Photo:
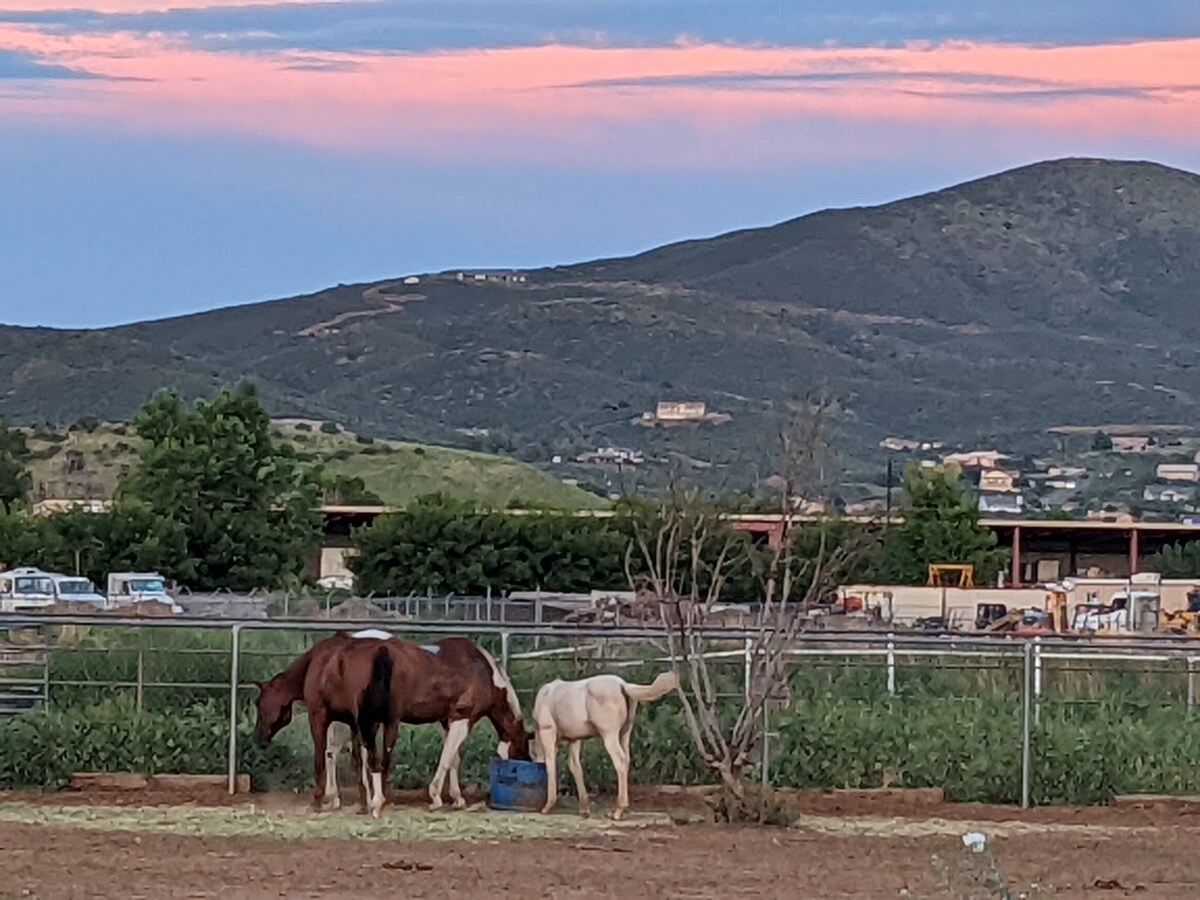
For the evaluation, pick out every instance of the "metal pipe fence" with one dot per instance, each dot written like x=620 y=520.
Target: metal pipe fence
x=1034 y=664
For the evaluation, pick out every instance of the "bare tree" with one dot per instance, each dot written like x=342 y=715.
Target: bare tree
x=683 y=556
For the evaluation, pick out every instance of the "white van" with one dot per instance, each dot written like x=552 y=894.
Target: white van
x=26 y=588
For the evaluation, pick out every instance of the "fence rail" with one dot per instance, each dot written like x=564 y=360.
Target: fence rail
x=26 y=681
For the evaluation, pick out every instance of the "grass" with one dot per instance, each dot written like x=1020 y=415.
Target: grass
x=298 y=825
x=79 y=464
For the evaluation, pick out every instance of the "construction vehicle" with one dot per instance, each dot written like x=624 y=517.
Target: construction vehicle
x=1129 y=611
x=1185 y=621
x=965 y=575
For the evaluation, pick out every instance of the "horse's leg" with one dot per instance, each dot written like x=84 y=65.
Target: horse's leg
x=335 y=742
x=376 y=766
x=358 y=764
x=548 y=738
x=456 y=734
x=455 y=788
x=620 y=761
x=576 y=764
x=320 y=731
x=385 y=776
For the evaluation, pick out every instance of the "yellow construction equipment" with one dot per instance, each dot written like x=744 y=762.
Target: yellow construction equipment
x=965 y=573
x=1185 y=621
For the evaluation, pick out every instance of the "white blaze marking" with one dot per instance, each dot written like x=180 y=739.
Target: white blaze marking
x=372 y=633
x=377 y=788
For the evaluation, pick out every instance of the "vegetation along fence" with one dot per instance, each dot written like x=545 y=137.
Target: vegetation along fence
x=987 y=719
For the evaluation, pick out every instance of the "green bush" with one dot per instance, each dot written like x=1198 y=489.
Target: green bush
x=1101 y=732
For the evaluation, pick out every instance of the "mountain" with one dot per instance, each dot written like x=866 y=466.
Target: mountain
x=1060 y=293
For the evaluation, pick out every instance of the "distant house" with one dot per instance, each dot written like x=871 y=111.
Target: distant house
x=680 y=412
x=50 y=506
x=1066 y=471
x=412 y=279
x=974 y=459
x=1132 y=443
x=1168 y=493
x=613 y=456
x=997 y=481
x=1189 y=472
x=1001 y=504
x=1110 y=514
x=899 y=445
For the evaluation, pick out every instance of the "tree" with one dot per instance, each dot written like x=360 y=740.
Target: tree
x=682 y=558
x=448 y=546
x=350 y=490
x=941 y=525
x=1179 y=560
x=15 y=481
x=1101 y=442
x=240 y=510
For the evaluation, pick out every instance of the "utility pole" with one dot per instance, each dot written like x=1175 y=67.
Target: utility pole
x=888 y=515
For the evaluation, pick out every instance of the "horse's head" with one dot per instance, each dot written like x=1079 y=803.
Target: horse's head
x=517 y=744
x=274 y=711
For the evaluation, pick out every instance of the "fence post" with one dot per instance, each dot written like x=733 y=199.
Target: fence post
x=1037 y=681
x=749 y=673
x=234 y=660
x=504 y=651
x=1027 y=727
x=141 y=679
x=766 y=745
x=891 y=664
x=489 y=604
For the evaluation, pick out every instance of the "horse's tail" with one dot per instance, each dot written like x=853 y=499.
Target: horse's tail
x=376 y=705
x=648 y=693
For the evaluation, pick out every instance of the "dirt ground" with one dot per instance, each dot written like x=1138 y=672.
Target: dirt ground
x=146 y=844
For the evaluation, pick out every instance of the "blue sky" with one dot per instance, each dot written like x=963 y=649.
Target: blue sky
x=159 y=160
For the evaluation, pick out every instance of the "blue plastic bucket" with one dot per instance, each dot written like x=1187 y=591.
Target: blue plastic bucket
x=518 y=785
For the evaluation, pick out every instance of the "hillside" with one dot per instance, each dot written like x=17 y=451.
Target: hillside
x=81 y=463
x=1061 y=293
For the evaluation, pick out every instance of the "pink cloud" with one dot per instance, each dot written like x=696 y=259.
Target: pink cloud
x=133 y=7
x=688 y=104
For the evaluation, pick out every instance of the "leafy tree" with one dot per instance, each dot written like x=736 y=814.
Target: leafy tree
x=1102 y=442
x=27 y=540
x=14 y=476
x=245 y=507
x=350 y=490
x=1180 y=560
x=448 y=546
x=941 y=525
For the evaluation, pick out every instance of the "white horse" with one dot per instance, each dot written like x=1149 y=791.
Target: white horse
x=602 y=706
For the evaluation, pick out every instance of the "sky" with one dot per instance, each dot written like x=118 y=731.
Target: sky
x=159 y=157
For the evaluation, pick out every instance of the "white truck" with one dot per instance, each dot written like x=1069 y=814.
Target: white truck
x=26 y=588
x=125 y=588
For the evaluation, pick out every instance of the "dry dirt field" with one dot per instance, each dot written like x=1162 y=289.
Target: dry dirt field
x=153 y=845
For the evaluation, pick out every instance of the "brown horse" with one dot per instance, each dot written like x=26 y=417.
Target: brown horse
x=318 y=680
x=369 y=683
x=453 y=683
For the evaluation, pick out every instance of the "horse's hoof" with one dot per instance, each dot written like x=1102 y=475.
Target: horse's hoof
x=547 y=809
x=460 y=803
x=335 y=803
x=585 y=813
x=618 y=815
x=435 y=807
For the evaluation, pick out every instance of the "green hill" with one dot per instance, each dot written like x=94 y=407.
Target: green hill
x=1062 y=293
x=79 y=463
